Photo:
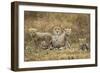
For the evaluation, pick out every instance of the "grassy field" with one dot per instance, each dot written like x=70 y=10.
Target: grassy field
x=45 y=22
x=33 y=54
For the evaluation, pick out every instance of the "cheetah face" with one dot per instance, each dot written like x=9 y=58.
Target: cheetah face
x=32 y=31
x=82 y=40
x=68 y=31
x=57 y=31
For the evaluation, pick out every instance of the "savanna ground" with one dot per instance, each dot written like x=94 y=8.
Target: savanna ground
x=44 y=22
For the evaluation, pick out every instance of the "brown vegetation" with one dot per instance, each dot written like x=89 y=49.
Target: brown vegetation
x=45 y=22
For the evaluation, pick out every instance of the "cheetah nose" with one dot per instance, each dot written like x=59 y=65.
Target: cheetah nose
x=57 y=31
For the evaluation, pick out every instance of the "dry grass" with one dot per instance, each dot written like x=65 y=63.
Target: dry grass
x=32 y=54
x=45 y=22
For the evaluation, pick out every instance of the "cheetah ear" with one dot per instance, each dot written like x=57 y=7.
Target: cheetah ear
x=32 y=30
x=63 y=30
x=82 y=39
x=68 y=29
